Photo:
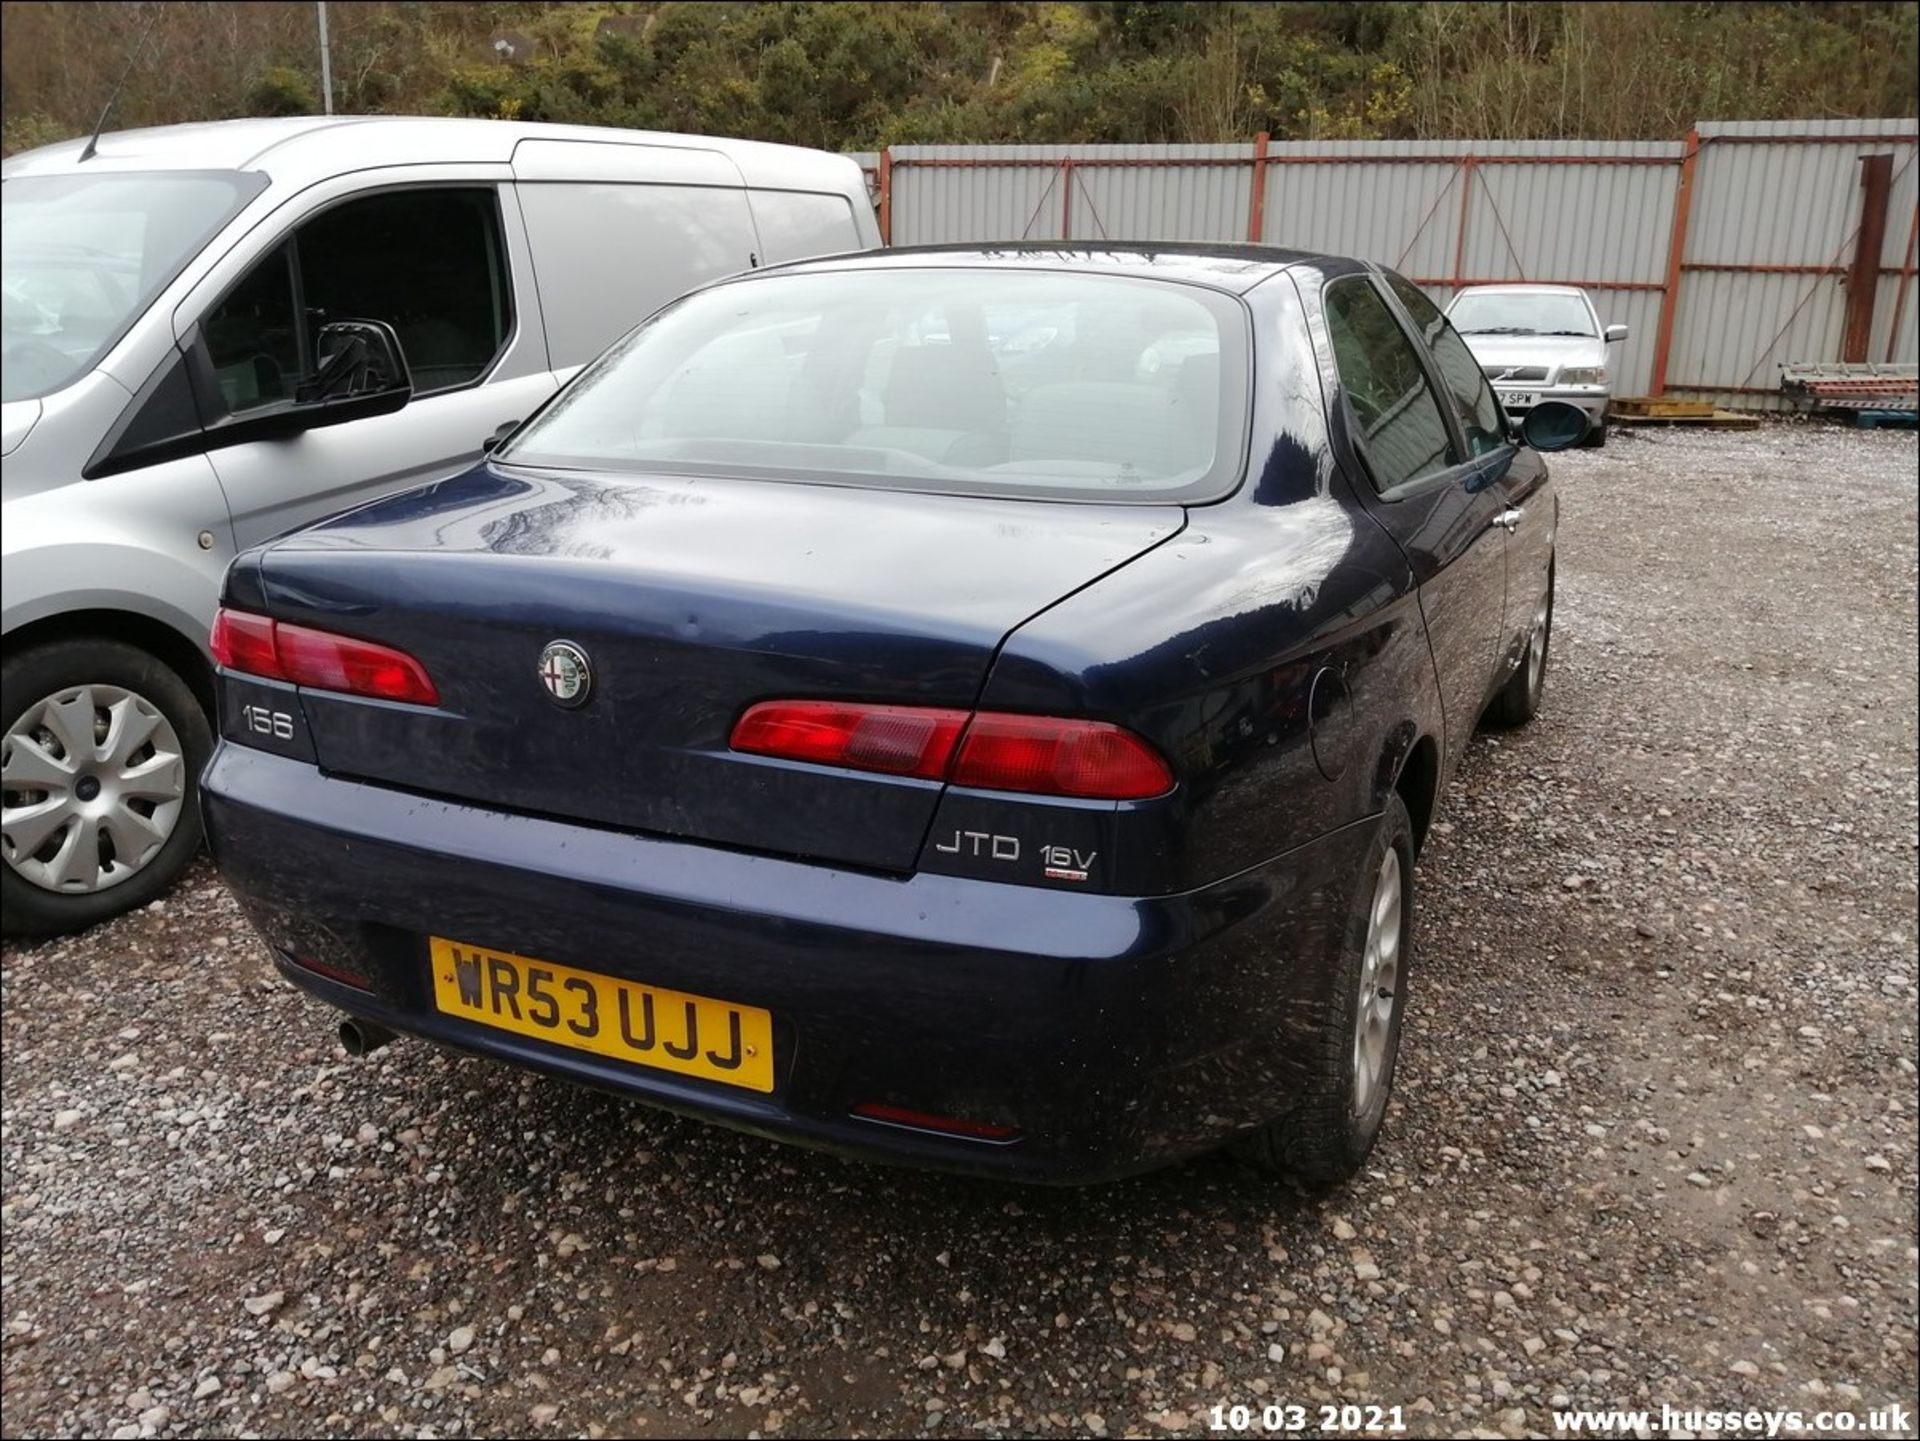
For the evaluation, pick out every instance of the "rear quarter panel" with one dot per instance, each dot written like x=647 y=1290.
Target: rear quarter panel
x=1274 y=650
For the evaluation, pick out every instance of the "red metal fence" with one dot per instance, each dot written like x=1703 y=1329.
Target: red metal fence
x=1703 y=295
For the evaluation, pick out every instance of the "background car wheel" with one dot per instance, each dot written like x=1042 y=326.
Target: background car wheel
x=1354 y=1039
x=101 y=751
x=1519 y=699
x=1595 y=438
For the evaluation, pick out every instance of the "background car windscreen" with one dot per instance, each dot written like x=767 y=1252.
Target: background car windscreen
x=968 y=381
x=83 y=255
x=1518 y=313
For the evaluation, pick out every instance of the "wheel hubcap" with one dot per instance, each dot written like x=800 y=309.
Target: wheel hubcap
x=92 y=779
x=1379 y=982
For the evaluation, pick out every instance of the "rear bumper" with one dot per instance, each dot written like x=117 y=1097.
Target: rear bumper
x=1116 y=1034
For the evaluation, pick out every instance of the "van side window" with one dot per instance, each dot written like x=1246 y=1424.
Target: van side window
x=428 y=262
x=606 y=255
x=1386 y=388
x=254 y=336
x=794 y=225
x=1459 y=371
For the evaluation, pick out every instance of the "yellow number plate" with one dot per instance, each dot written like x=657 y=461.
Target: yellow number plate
x=668 y=1030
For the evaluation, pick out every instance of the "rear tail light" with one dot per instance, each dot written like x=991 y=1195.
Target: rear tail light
x=900 y=740
x=944 y=1125
x=988 y=750
x=255 y=645
x=244 y=642
x=1044 y=756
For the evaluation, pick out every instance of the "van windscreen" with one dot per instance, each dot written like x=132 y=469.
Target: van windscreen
x=81 y=256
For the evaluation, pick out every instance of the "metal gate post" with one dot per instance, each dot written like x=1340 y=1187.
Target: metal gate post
x=886 y=195
x=1863 y=280
x=1066 y=197
x=1460 y=236
x=1257 y=211
x=1676 y=256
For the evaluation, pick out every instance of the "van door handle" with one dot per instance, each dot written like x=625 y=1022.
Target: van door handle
x=1509 y=519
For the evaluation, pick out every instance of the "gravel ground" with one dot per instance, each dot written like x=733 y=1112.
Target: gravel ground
x=1654 y=1138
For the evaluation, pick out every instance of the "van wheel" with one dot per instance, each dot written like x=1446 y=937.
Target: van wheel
x=102 y=749
x=1352 y=1035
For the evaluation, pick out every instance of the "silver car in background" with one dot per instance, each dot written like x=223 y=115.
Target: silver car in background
x=1540 y=343
x=215 y=333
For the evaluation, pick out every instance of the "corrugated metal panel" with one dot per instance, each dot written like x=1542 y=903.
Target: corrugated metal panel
x=1793 y=201
x=1903 y=230
x=933 y=204
x=1801 y=129
x=1191 y=202
x=1738 y=330
x=1400 y=215
x=1906 y=339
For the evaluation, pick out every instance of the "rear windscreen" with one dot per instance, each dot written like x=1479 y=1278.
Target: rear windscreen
x=986 y=381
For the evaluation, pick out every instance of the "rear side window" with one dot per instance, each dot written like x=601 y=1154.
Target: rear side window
x=608 y=255
x=1399 y=417
x=794 y=225
x=427 y=262
x=1465 y=381
x=1030 y=383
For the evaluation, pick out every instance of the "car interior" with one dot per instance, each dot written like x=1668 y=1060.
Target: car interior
x=1102 y=391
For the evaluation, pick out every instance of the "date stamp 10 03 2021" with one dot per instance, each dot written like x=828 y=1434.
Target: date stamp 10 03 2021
x=1281 y=1419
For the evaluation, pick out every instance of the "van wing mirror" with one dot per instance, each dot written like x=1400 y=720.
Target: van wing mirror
x=184 y=411
x=359 y=372
x=1616 y=332
x=355 y=359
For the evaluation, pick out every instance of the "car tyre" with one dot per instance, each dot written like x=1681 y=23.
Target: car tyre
x=1352 y=1042
x=1596 y=437
x=114 y=672
x=1519 y=699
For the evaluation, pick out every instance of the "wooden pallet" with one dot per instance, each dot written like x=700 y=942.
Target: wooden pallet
x=1652 y=407
x=1706 y=415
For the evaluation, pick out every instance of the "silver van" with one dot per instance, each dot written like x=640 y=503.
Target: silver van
x=214 y=333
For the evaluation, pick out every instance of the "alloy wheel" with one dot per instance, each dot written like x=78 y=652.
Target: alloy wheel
x=1537 y=648
x=92 y=781
x=1379 y=981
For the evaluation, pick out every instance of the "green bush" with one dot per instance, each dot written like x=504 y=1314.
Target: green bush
x=30 y=132
x=283 y=90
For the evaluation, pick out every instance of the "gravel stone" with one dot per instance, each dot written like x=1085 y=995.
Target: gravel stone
x=1725 y=763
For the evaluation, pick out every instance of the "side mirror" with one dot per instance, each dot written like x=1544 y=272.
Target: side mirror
x=355 y=359
x=1554 y=425
x=1616 y=332
x=492 y=442
x=361 y=373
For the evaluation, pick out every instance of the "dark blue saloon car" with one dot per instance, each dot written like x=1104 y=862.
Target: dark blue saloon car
x=974 y=707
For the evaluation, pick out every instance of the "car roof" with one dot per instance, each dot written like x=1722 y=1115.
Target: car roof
x=299 y=150
x=1233 y=268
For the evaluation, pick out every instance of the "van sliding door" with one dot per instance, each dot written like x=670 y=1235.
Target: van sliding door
x=618 y=230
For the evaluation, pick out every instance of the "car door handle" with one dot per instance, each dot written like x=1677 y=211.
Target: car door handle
x=1509 y=519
